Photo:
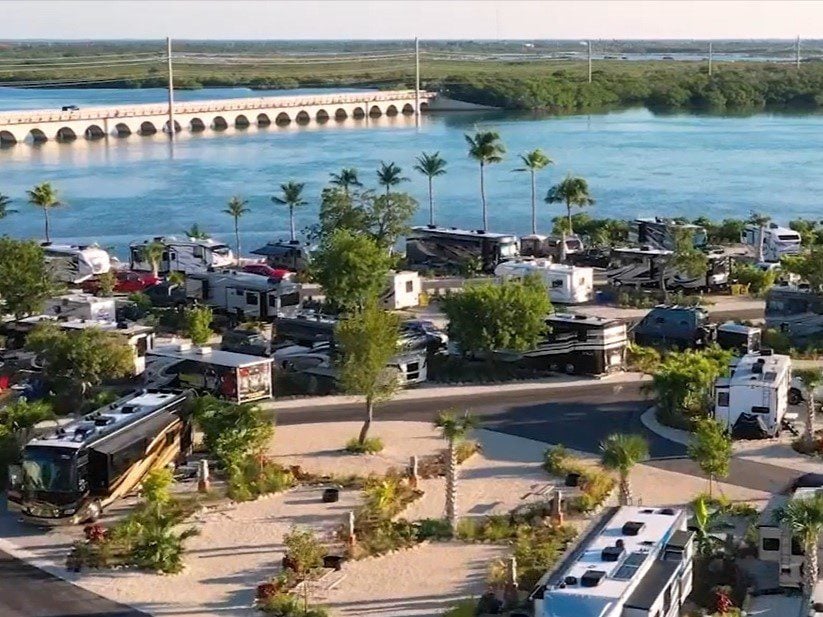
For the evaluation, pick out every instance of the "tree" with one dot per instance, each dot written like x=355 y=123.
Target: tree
x=44 y=196
x=368 y=340
x=198 y=324
x=683 y=381
x=808 y=266
x=533 y=162
x=711 y=449
x=506 y=316
x=453 y=429
x=303 y=551
x=810 y=231
x=760 y=220
x=431 y=166
x=389 y=175
x=685 y=259
x=620 y=452
x=572 y=191
x=237 y=208
x=195 y=233
x=707 y=521
x=487 y=149
x=345 y=179
x=5 y=202
x=352 y=269
x=24 y=277
x=292 y=198
x=339 y=209
x=387 y=216
x=107 y=281
x=153 y=253
x=804 y=517
x=233 y=432
x=21 y=415
x=811 y=379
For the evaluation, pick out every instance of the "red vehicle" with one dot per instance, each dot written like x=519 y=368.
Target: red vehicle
x=278 y=274
x=127 y=282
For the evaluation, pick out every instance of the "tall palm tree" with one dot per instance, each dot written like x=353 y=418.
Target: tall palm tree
x=533 y=162
x=293 y=198
x=431 y=166
x=153 y=253
x=760 y=220
x=44 y=196
x=196 y=233
x=804 y=517
x=620 y=452
x=572 y=191
x=5 y=202
x=811 y=379
x=485 y=148
x=345 y=179
x=237 y=208
x=390 y=175
x=453 y=429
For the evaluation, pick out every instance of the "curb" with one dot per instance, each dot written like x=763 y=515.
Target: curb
x=649 y=420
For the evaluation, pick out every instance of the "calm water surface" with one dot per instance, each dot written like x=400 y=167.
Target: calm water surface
x=637 y=164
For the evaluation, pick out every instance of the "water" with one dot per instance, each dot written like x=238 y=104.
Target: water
x=637 y=164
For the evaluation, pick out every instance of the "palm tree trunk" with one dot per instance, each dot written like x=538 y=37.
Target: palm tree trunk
x=451 y=486
x=237 y=239
x=569 y=217
x=483 y=198
x=810 y=569
x=364 y=432
x=761 y=233
x=534 y=208
x=431 y=203
x=291 y=221
x=663 y=287
x=625 y=495
x=809 y=436
x=711 y=482
x=46 y=215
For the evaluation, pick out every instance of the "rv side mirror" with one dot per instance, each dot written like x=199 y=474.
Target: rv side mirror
x=15 y=477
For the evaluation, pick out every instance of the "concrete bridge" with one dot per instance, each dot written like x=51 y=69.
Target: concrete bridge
x=124 y=120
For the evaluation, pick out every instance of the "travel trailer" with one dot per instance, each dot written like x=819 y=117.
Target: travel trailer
x=659 y=233
x=777 y=241
x=75 y=264
x=685 y=327
x=80 y=306
x=796 y=313
x=285 y=254
x=551 y=247
x=403 y=291
x=636 y=562
x=640 y=268
x=70 y=475
x=186 y=255
x=454 y=249
x=753 y=402
x=565 y=284
x=244 y=295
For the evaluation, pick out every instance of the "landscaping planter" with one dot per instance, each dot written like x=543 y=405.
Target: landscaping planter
x=331 y=495
x=335 y=562
x=573 y=478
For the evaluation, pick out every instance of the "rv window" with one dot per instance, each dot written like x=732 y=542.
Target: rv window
x=165 y=256
x=252 y=298
x=292 y=299
x=239 y=292
x=771 y=544
x=557 y=283
x=764 y=410
x=126 y=457
x=198 y=251
x=797 y=547
x=172 y=255
x=409 y=287
x=722 y=399
x=141 y=346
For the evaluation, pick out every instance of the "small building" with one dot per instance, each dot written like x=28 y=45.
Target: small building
x=635 y=562
x=403 y=290
x=565 y=284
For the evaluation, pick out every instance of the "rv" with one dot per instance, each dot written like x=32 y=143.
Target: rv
x=69 y=476
x=753 y=402
x=244 y=295
x=189 y=255
x=640 y=268
x=659 y=233
x=75 y=264
x=565 y=284
x=454 y=249
x=684 y=327
x=287 y=255
x=777 y=241
x=797 y=313
x=403 y=291
x=80 y=306
x=551 y=246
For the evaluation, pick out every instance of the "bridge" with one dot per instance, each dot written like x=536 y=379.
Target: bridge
x=147 y=119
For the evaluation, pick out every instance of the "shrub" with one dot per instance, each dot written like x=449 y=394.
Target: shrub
x=304 y=551
x=774 y=339
x=595 y=489
x=433 y=529
x=758 y=280
x=371 y=445
x=537 y=550
x=253 y=477
x=555 y=460
x=198 y=324
x=466 y=449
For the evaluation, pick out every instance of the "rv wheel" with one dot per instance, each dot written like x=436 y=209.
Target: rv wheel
x=93 y=510
x=795 y=397
x=570 y=369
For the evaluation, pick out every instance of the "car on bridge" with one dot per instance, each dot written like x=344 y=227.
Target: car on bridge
x=70 y=108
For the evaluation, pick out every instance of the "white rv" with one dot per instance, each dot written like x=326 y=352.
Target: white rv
x=777 y=241
x=75 y=264
x=566 y=284
x=80 y=306
x=187 y=255
x=245 y=295
x=753 y=402
x=403 y=291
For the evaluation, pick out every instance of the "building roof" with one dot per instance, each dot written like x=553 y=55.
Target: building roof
x=422 y=230
x=209 y=355
x=246 y=280
x=545 y=265
x=174 y=240
x=650 y=586
x=125 y=328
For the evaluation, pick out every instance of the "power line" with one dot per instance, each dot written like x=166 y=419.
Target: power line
x=78 y=67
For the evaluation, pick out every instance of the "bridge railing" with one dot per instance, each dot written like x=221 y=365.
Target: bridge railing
x=195 y=107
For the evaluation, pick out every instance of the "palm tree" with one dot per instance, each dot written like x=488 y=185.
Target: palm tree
x=804 y=517
x=153 y=253
x=707 y=523
x=760 y=220
x=431 y=165
x=485 y=148
x=293 y=198
x=5 y=202
x=44 y=196
x=621 y=452
x=389 y=175
x=811 y=379
x=195 y=233
x=236 y=209
x=345 y=179
x=533 y=162
x=454 y=429
x=572 y=191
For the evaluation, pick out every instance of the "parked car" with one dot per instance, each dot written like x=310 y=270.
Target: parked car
x=278 y=274
x=70 y=108
x=166 y=294
x=797 y=393
x=126 y=282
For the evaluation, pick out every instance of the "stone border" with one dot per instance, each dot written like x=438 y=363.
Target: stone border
x=649 y=419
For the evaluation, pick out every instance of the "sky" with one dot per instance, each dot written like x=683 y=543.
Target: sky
x=397 y=19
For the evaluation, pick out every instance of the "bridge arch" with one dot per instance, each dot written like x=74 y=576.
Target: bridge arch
x=94 y=132
x=219 y=123
x=358 y=113
x=147 y=128
x=408 y=109
x=391 y=110
x=7 y=138
x=38 y=136
x=282 y=119
x=241 y=122
x=424 y=106
x=121 y=129
x=340 y=114
x=322 y=116
x=302 y=117
x=65 y=133
x=375 y=111
x=196 y=125
x=177 y=127
x=263 y=120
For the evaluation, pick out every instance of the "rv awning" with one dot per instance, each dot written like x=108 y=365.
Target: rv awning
x=274 y=250
x=146 y=429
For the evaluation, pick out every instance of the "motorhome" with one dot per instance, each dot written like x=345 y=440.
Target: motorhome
x=80 y=306
x=70 y=475
x=752 y=403
x=186 y=255
x=640 y=268
x=565 y=284
x=556 y=248
x=777 y=241
x=244 y=295
x=797 y=313
x=637 y=561
x=290 y=255
x=452 y=249
x=661 y=233
x=75 y=264
x=687 y=327
x=402 y=290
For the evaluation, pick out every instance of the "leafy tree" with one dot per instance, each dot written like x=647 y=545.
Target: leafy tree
x=643 y=359
x=804 y=517
x=351 y=268
x=232 y=431
x=601 y=232
x=20 y=416
x=510 y=315
x=810 y=231
x=572 y=191
x=728 y=231
x=339 y=209
x=453 y=429
x=684 y=259
x=811 y=379
x=388 y=216
x=431 y=166
x=368 y=340
x=292 y=198
x=346 y=179
x=5 y=202
x=620 y=452
x=711 y=449
x=757 y=280
x=808 y=266
x=196 y=233
x=487 y=149
x=153 y=253
x=198 y=324
x=236 y=209
x=24 y=277
x=533 y=162
x=389 y=175
x=44 y=196
x=707 y=522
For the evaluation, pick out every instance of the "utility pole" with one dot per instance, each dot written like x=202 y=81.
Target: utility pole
x=589 y=45
x=171 y=88
x=417 y=81
x=710 y=58
x=797 y=53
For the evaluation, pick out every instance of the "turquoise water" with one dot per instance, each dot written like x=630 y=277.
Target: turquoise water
x=637 y=164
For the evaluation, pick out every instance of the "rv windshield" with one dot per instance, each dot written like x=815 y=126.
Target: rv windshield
x=48 y=469
x=220 y=249
x=508 y=249
x=699 y=237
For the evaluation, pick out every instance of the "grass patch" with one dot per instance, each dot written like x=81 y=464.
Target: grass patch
x=254 y=477
x=463 y=608
x=433 y=529
x=371 y=445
